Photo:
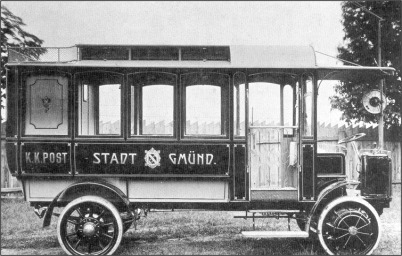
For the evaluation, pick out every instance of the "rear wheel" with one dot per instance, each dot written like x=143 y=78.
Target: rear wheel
x=349 y=226
x=89 y=225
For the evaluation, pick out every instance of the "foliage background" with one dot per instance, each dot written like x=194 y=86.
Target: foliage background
x=361 y=44
x=13 y=35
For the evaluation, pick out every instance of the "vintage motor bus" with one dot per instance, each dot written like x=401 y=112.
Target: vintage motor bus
x=110 y=131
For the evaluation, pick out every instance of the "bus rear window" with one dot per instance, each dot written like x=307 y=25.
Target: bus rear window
x=46 y=105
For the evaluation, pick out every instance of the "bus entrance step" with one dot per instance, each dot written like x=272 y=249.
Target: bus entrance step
x=274 y=211
x=275 y=234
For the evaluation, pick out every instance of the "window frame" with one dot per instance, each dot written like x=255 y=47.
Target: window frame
x=138 y=108
x=225 y=108
x=77 y=79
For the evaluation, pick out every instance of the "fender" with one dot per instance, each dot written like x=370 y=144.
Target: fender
x=87 y=187
x=325 y=192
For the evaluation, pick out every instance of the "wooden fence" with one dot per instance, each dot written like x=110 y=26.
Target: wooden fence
x=9 y=184
x=328 y=136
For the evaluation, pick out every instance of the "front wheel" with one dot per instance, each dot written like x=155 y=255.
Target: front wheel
x=349 y=225
x=89 y=225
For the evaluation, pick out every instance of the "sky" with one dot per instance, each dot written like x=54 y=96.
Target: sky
x=68 y=23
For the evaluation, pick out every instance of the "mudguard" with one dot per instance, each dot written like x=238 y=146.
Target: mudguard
x=325 y=192
x=86 y=187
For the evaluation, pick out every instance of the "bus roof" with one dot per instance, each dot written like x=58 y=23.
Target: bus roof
x=240 y=56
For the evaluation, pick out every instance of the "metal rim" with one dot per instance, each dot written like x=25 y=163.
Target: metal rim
x=349 y=226
x=89 y=225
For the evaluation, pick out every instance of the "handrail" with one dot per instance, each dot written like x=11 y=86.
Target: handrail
x=277 y=127
x=38 y=47
x=11 y=190
x=42 y=54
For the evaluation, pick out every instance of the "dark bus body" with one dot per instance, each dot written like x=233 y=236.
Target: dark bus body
x=124 y=129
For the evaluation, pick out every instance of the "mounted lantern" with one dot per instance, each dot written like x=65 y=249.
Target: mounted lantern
x=373 y=100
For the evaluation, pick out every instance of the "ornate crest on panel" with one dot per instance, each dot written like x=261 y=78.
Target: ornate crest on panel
x=152 y=158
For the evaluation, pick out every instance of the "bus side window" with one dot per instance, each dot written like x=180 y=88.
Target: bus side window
x=288 y=108
x=239 y=104
x=152 y=103
x=46 y=105
x=99 y=103
x=308 y=106
x=264 y=104
x=109 y=109
x=205 y=103
x=86 y=112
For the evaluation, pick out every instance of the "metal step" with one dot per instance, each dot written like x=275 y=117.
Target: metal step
x=275 y=211
x=285 y=213
x=275 y=234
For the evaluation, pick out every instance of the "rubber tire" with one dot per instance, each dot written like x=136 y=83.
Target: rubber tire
x=98 y=200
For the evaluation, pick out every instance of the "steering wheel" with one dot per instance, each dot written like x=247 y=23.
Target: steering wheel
x=352 y=138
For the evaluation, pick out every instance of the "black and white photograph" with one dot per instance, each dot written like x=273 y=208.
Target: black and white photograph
x=201 y=127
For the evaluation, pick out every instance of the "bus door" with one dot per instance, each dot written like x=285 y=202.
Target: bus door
x=272 y=137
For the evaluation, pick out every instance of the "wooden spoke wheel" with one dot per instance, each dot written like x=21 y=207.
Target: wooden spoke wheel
x=89 y=225
x=349 y=225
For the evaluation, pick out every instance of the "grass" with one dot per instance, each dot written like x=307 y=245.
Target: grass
x=390 y=243
x=193 y=232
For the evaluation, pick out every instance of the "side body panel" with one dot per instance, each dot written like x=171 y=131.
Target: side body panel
x=157 y=190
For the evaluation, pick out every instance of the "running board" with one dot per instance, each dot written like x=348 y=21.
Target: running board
x=275 y=234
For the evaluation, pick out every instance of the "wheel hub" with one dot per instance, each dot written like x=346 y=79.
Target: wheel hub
x=353 y=230
x=90 y=227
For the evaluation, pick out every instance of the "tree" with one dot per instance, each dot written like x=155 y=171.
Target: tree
x=12 y=35
x=361 y=37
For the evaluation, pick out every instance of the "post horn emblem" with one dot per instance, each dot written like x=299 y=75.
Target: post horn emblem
x=152 y=158
x=46 y=101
